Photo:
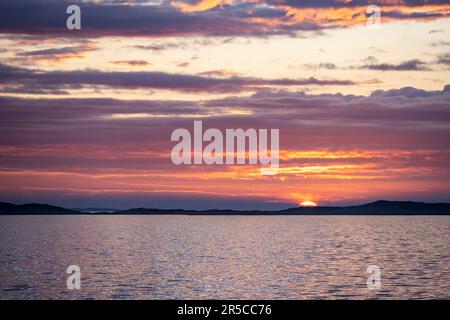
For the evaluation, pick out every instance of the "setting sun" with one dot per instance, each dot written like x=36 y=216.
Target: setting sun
x=308 y=204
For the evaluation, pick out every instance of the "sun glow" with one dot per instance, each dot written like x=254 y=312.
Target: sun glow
x=308 y=204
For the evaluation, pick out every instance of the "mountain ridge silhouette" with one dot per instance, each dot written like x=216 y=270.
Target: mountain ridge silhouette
x=379 y=207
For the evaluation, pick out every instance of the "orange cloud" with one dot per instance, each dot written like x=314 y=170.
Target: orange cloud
x=357 y=15
x=53 y=55
x=200 y=5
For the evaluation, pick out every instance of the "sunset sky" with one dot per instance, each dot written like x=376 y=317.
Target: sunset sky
x=86 y=115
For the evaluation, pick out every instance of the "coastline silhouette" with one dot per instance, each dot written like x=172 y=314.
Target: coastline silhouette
x=380 y=207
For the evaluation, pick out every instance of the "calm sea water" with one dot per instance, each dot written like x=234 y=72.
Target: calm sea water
x=171 y=257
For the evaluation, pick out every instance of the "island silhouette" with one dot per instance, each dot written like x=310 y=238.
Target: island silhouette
x=380 y=207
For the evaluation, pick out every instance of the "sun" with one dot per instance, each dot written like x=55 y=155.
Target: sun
x=308 y=204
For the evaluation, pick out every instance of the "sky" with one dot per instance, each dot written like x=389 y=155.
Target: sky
x=86 y=115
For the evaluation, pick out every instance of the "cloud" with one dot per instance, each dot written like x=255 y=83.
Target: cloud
x=323 y=65
x=132 y=63
x=206 y=17
x=159 y=46
x=371 y=81
x=334 y=146
x=407 y=108
x=357 y=3
x=410 y=65
x=101 y=19
x=19 y=79
x=183 y=64
x=162 y=46
x=197 y=5
x=220 y=73
x=396 y=107
x=440 y=44
x=444 y=59
x=56 y=54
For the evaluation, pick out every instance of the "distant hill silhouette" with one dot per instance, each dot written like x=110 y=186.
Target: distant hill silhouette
x=32 y=208
x=381 y=207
